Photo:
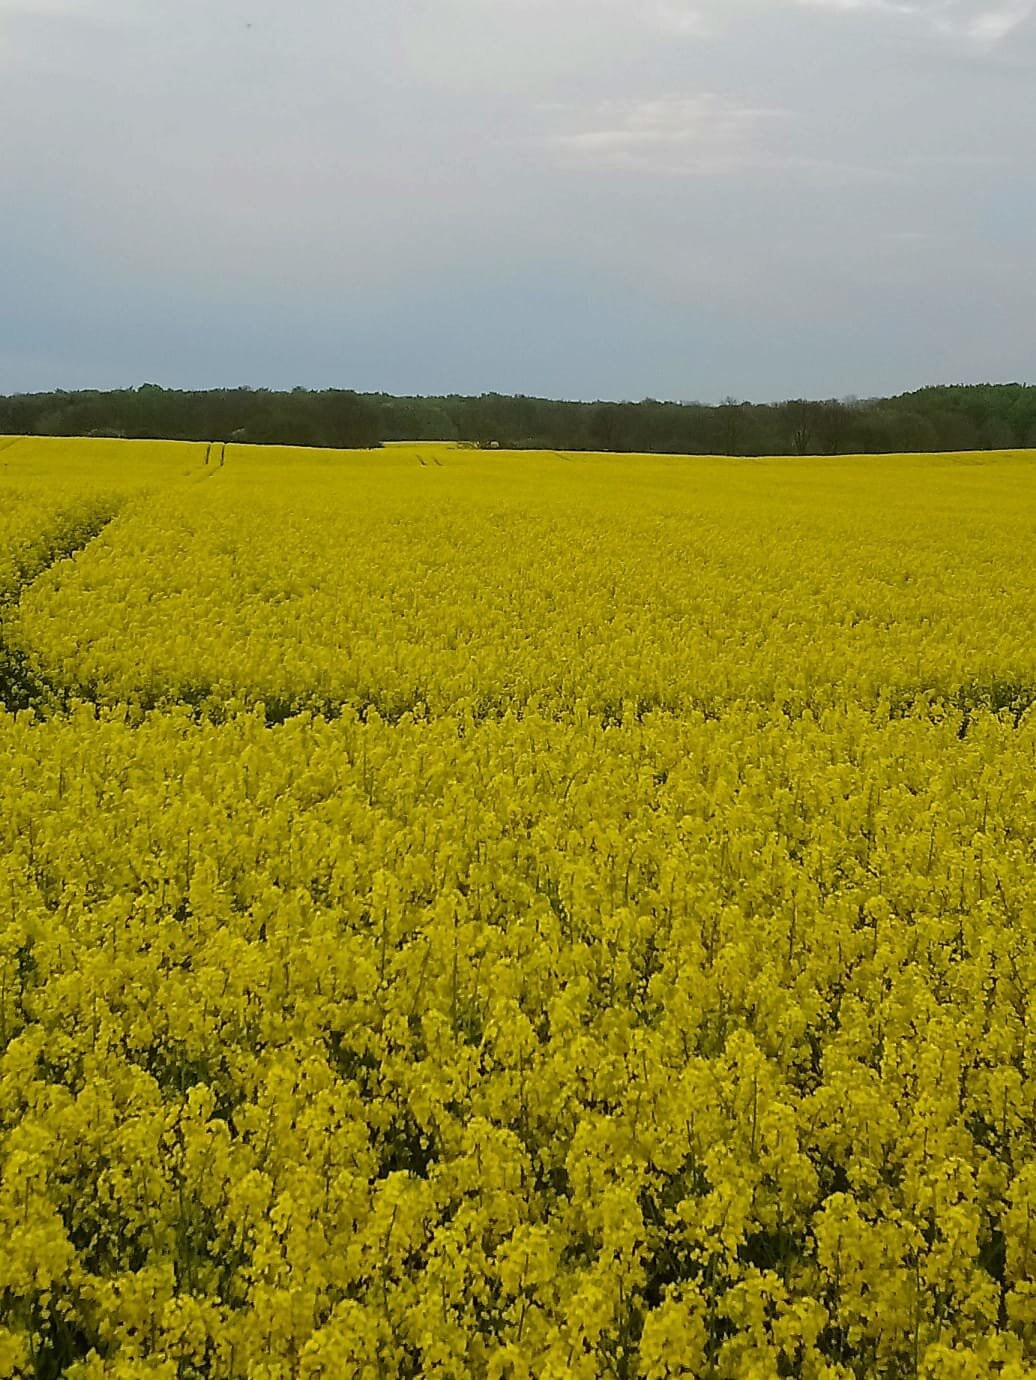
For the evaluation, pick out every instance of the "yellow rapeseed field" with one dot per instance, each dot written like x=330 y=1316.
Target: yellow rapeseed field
x=479 y=914
x=54 y=496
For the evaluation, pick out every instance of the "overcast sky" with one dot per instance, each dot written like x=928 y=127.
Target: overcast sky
x=580 y=198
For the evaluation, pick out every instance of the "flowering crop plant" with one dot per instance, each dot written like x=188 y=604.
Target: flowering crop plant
x=516 y=915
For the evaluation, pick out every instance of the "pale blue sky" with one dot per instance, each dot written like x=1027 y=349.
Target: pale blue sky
x=579 y=198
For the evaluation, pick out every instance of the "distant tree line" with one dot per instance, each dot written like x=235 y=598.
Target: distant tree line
x=333 y=417
x=964 y=417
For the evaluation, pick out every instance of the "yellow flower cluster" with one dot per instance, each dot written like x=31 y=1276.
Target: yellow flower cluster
x=641 y=984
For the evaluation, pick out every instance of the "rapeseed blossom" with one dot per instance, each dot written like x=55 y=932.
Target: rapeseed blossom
x=519 y=916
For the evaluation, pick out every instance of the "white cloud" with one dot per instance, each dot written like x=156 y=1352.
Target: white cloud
x=704 y=133
x=675 y=16
x=886 y=6
x=992 y=25
x=67 y=9
x=981 y=23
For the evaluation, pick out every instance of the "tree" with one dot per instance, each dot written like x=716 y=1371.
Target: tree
x=730 y=414
x=799 y=419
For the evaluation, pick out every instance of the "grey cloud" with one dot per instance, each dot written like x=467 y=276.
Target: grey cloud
x=578 y=197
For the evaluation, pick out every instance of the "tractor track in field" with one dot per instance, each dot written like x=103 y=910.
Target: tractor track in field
x=21 y=687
